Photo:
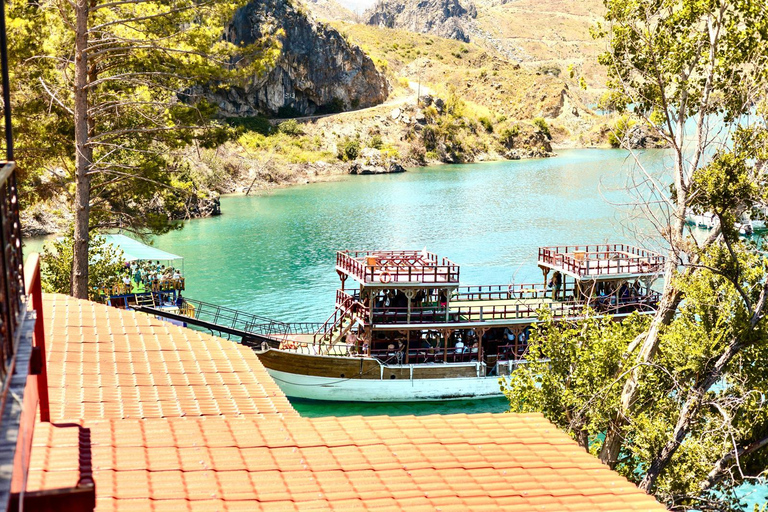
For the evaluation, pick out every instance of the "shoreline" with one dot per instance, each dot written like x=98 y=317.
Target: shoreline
x=324 y=172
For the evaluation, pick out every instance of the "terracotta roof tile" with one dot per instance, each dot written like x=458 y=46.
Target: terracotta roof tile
x=183 y=421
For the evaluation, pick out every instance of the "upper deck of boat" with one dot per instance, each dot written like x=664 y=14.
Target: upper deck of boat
x=601 y=261
x=401 y=268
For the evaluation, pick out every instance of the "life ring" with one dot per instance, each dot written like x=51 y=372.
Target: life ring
x=385 y=277
x=645 y=266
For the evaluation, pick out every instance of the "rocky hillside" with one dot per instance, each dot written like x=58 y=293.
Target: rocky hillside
x=547 y=34
x=552 y=35
x=317 y=71
x=444 y=18
x=330 y=10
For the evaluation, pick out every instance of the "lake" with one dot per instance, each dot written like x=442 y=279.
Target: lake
x=274 y=253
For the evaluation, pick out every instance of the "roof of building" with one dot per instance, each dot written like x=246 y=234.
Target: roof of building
x=172 y=419
x=134 y=250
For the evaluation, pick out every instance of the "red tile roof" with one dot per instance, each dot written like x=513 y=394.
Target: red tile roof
x=180 y=420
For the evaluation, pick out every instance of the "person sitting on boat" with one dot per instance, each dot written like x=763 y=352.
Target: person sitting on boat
x=459 y=346
x=365 y=350
x=509 y=335
x=624 y=292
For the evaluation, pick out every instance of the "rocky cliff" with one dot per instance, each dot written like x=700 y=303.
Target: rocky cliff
x=317 y=71
x=444 y=18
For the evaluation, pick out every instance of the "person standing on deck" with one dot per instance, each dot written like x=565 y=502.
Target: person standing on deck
x=556 y=283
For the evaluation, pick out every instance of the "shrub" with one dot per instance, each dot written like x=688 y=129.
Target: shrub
x=543 y=127
x=550 y=70
x=348 y=150
x=290 y=127
x=376 y=142
x=619 y=130
x=287 y=112
x=507 y=136
x=257 y=124
x=487 y=124
x=106 y=266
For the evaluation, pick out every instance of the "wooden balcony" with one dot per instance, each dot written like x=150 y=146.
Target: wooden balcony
x=397 y=268
x=601 y=261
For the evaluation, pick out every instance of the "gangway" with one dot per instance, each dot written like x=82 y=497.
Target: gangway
x=250 y=328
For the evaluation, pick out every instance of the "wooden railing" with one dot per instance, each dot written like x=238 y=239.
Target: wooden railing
x=517 y=311
x=164 y=285
x=602 y=259
x=505 y=292
x=385 y=267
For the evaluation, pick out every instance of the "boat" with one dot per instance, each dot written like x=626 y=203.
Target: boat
x=706 y=220
x=405 y=329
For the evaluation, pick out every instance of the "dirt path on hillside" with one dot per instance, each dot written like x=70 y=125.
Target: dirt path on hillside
x=394 y=102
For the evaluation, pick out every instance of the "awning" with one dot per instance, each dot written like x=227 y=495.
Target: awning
x=134 y=250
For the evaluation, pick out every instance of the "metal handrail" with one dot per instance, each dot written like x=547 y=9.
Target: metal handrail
x=235 y=319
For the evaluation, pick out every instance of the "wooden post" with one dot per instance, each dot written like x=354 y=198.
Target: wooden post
x=480 y=332
x=409 y=294
x=545 y=272
x=446 y=334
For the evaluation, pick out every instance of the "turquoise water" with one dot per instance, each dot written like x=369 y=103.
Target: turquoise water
x=274 y=254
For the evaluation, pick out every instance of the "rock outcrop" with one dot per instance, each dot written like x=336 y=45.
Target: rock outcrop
x=317 y=70
x=444 y=18
x=640 y=136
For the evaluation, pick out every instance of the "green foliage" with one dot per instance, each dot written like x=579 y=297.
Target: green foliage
x=487 y=123
x=619 y=130
x=570 y=373
x=258 y=124
x=290 y=127
x=664 y=53
x=542 y=126
x=376 y=142
x=288 y=112
x=348 y=149
x=122 y=77
x=105 y=262
x=508 y=135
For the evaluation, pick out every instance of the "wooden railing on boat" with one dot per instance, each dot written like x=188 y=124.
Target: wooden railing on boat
x=386 y=267
x=601 y=259
x=505 y=292
x=517 y=311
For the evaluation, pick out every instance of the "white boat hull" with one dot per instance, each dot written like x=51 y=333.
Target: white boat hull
x=374 y=390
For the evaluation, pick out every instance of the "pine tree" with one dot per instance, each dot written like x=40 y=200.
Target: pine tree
x=114 y=87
